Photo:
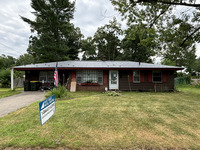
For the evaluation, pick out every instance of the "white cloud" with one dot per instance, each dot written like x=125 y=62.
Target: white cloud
x=14 y=33
x=90 y=14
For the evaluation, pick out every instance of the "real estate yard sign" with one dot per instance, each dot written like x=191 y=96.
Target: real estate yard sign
x=47 y=109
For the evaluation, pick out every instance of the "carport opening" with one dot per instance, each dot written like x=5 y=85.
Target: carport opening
x=41 y=79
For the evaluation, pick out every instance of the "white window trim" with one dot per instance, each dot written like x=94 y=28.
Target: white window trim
x=79 y=73
x=139 y=77
x=46 y=76
x=43 y=76
x=157 y=81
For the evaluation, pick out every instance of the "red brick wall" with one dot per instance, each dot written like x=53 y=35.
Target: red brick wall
x=105 y=77
x=90 y=88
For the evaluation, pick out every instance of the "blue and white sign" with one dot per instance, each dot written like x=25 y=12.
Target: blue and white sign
x=47 y=109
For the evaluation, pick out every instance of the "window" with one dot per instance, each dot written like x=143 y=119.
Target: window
x=43 y=76
x=136 y=76
x=157 y=76
x=89 y=76
x=46 y=76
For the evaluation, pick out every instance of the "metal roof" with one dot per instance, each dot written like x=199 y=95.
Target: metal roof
x=96 y=65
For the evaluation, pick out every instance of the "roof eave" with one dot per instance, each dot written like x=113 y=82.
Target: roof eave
x=96 y=68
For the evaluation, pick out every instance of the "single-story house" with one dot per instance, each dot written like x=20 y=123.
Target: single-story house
x=103 y=75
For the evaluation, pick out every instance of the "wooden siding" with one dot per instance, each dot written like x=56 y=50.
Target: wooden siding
x=147 y=85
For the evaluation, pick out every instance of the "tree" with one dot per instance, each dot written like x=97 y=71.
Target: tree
x=88 y=48
x=5 y=78
x=54 y=37
x=168 y=62
x=156 y=12
x=176 y=35
x=107 y=41
x=174 y=50
x=25 y=60
x=7 y=61
x=138 y=44
x=197 y=65
x=190 y=3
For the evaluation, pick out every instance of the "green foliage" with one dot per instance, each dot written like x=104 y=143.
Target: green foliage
x=170 y=35
x=107 y=41
x=59 y=92
x=25 y=60
x=182 y=54
x=182 y=80
x=196 y=67
x=197 y=85
x=4 y=92
x=168 y=62
x=7 y=61
x=138 y=44
x=54 y=37
x=113 y=93
x=88 y=48
x=5 y=78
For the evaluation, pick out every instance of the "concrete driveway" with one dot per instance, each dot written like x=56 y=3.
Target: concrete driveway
x=12 y=103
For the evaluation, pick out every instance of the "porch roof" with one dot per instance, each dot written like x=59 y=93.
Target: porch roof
x=74 y=65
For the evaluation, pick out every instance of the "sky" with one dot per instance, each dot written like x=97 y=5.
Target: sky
x=14 y=33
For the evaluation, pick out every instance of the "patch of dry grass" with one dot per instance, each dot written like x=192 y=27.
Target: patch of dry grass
x=130 y=121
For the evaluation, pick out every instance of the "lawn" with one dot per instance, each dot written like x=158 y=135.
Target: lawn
x=97 y=121
x=4 y=92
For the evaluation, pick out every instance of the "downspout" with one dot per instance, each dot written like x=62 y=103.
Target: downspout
x=12 y=79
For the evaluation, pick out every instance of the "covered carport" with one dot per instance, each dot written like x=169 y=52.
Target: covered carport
x=42 y=74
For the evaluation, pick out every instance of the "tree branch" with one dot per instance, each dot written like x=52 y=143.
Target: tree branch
x=167 y=2
x=189 y=36
x=162 y=12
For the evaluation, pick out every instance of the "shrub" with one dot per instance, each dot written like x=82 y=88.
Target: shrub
x=59 y=92
x=197 y=85
x=5 y=78
x=112 y=93
x=182 y=80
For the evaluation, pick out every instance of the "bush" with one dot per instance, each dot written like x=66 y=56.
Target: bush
x=197 y=85
x=182 y=80
x=59 y=92
x=112 y=93
x=5 y=78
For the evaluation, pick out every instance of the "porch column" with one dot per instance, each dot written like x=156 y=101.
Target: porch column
x=12 y=79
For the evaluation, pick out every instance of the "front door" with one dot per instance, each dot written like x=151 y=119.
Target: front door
x=113 y=80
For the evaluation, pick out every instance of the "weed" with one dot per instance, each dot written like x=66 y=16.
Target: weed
x=59 y=92
x=113 y=93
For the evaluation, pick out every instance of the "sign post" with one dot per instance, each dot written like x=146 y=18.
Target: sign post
x=47 y=109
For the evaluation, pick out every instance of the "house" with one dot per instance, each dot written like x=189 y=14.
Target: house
x=103 y=75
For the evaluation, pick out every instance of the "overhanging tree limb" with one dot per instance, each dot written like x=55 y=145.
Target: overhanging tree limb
x=189 y=36
x=166 y=2
x=162 y=12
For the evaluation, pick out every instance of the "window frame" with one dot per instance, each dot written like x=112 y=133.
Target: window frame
x=82 y=74
x=138 y=75
x=47 y=76
x=157 y=71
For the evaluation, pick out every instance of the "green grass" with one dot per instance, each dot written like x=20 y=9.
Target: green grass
x=90 y=120
x=4 y=92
